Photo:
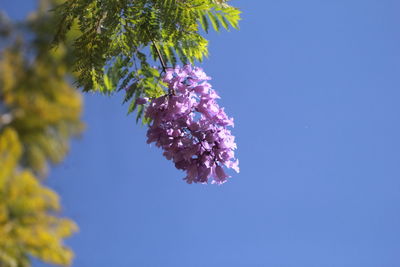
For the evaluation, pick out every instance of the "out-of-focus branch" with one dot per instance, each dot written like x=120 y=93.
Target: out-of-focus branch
x=5 y=119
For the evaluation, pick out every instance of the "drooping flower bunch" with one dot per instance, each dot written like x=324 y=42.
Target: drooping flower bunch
x=191 y=127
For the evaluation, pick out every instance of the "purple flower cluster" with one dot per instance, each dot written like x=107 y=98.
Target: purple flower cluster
x=191 y=128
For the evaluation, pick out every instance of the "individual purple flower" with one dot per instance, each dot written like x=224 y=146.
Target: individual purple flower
x=141 y=100
x=191 y=128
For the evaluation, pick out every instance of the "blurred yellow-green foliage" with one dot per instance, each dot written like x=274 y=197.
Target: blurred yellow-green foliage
x=34 y=91
x=27 y=224
x=40 y=111
x=44 y=108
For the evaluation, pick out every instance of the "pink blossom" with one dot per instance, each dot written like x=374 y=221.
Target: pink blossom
x=191 y=127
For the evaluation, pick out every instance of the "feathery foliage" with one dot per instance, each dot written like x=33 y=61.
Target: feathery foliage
x=120 y=39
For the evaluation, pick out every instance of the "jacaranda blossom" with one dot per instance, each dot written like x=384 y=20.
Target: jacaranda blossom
x=192 y=128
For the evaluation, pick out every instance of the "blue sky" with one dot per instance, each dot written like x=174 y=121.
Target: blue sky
x=314 y=88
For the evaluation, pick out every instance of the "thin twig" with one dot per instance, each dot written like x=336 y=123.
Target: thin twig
x=171 y=92
x=159 y=56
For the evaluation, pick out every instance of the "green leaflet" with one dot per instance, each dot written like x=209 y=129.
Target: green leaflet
x=118 y=36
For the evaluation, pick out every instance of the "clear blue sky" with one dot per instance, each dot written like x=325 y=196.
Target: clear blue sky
x=314 y=88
